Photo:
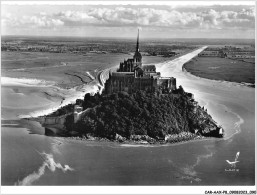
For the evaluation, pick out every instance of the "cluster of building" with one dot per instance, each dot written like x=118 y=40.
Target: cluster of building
x=132 y=76
x=228 y=52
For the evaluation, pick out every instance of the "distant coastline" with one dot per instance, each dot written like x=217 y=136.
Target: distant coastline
x=209 y=41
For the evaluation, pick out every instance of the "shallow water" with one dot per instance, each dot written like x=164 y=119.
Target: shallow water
x=31 y=158
x=94 y=163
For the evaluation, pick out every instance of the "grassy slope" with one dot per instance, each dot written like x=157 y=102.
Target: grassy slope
x=222 y=69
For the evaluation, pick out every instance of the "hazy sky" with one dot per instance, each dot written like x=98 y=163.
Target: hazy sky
x=166 y=19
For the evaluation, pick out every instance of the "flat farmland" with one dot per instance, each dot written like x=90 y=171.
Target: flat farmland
x=28 y=60
x=222 y=69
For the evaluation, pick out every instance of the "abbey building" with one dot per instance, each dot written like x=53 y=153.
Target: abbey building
x=132 y=76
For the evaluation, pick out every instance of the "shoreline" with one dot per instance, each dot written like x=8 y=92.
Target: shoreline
x=181 y=138
x=131 y=143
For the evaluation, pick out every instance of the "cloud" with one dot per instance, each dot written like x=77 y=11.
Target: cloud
x=122 y=16
x=150 y=17
x=41 y=21
x=38 y=21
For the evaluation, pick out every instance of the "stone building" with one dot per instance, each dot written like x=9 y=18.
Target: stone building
x=132 y=76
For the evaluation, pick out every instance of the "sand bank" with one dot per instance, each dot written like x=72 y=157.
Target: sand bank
x=69 y=97
x=8 y=81
x=24 y=98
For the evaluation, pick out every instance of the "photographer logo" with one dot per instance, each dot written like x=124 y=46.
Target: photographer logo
x=233 y=163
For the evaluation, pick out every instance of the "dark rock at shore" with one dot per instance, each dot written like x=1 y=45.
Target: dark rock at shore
x=119 y=138
x=142 y=138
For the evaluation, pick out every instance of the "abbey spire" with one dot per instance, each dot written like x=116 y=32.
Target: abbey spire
x=137 y=49
x=137 y=56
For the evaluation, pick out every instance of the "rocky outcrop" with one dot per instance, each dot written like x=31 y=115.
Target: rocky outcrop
x=119 y=138
x=142 y=138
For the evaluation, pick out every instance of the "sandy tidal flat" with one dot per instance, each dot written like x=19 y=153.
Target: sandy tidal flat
x=32 y=97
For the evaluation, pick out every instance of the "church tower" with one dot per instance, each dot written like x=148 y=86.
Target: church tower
x=137 y=56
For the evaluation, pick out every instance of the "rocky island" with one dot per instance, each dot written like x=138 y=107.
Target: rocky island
x=136 y=105
x=139 y=117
